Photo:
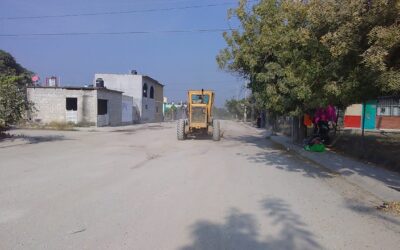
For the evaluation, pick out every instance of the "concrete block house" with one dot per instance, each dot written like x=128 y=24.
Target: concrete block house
x=147 y=94
x=95 y=106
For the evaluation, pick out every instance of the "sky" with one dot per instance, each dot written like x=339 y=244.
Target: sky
x=180 y=61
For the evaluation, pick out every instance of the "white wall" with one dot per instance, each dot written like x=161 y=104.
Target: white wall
x=143 y=108
x=355 y=109
x=127 y=109
x=130 y=84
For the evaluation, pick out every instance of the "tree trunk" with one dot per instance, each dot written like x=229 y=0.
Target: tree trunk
x=363 y=130
x=336 y=123
x=295 y=129
x=363 y=119
x=305 y=129
x=302 y=130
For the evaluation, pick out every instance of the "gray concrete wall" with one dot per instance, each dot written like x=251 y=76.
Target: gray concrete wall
x=153 y=112
x=127 y=109
x=50 y=104
x=136 y=110
x=114 y=106
x=130 y=85
x=159 y=99
x=145 y=109
x=148 y=110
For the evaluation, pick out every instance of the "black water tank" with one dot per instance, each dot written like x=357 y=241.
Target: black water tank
x=99 y=83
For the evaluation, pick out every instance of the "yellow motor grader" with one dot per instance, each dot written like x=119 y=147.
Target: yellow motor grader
x=199 y=116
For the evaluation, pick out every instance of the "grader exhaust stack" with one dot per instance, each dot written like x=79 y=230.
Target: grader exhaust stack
x=199 y=119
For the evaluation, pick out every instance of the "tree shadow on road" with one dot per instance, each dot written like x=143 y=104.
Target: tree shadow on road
x=358 y=207
x=294 y=233
x=19 y=140
x=241 y=231
x=277 y=156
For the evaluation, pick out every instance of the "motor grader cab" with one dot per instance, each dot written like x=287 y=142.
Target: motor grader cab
x=199 y=116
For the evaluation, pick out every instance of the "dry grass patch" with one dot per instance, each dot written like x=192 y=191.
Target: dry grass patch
x=391 y=207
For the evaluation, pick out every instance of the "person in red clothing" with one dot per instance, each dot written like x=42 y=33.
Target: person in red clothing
x=307 y=120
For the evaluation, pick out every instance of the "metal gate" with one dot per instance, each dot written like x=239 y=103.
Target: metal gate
x=370 y=115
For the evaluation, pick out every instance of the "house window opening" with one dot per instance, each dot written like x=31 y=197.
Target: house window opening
x=151 y=92
x=145 y=90
x=71 y=104
x=102 y=106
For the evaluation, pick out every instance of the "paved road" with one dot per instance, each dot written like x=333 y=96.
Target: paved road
x=137 y=187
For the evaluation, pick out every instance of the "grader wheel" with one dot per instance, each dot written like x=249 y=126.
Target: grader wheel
x=180 y=130
x=216 y=134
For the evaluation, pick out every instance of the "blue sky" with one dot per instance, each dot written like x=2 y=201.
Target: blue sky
x=181 y=61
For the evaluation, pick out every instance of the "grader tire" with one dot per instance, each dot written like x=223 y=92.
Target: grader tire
x=180 y=131
x=216 y=134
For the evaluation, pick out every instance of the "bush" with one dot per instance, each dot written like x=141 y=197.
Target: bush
x=13 y=81
x=12 y=101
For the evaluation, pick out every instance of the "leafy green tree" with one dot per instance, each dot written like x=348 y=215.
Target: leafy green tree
x=13 y=81
x=363 y=38
x=300 y=55
x=237 y=107
x=273 y=50
x=221 y=113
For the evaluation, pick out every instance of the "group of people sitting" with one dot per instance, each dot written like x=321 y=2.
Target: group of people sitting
x=321 y=121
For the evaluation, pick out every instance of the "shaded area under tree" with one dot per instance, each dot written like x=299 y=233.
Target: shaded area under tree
x=240 y=230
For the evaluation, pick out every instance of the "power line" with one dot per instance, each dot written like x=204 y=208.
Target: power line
x=114 y=33
x=178 y=85
x=118 y=12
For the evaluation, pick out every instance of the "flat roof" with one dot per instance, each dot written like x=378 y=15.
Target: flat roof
x=76 y=88
x=144 y=76
x=154 y=80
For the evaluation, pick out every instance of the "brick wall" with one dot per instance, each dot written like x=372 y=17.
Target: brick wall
x=388 y=122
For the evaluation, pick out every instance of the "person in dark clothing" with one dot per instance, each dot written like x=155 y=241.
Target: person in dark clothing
x=258 y=121
x=323 y=131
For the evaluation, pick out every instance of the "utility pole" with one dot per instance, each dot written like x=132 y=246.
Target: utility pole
x=245 y=113
x=245 y=106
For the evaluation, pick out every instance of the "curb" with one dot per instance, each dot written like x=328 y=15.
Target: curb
x=379 y=182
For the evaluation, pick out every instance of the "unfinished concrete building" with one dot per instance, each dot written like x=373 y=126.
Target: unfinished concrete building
x=79 y=105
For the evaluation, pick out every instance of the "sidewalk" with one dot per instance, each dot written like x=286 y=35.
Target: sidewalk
x=380 y=182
